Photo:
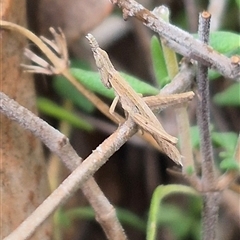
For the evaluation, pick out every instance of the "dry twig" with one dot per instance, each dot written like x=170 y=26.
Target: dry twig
x=179 y=40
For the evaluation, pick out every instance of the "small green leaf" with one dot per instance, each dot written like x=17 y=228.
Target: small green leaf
x=189 y=170
x=130 y=219
x=66 y=90
x=126 y=217
x=91 y=80
x=195 y=137
x=78 y=63
x=52 y=109
x=225 y=42
x=229 y=97
x=226 y=140
x=229 y=164
x=171 y=217
x=159 y=65
x=86 y=213
x=238 y=3
x=159 y=194
x=139 y=85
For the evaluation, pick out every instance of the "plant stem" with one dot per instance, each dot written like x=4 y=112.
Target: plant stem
x=210 y=198
x=203 y=111
x=211 y=202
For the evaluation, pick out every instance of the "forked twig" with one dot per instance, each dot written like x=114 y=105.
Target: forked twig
x=59 y=144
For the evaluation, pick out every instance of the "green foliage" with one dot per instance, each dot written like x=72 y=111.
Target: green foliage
x=226 y=43
x=238 y=3
x=52 y=109
x=156 y=208
x=229 y=97
x=182 y=224
x=189 y=170
x=225 y=140
x=130 y=219
x=195 y=137
x=158 y=60
x=92 y=81
x=229 y=164
x=66 y=218
x=67 y=91
x=228 y=142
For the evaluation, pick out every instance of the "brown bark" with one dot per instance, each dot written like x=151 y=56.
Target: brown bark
x=23 y=172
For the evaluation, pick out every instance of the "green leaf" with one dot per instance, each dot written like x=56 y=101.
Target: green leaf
x=226 y=140
x=52 y=109
x=195 y=136
x=225 y=42
x=189 y=170
x=159 y=65
x=130 y=219
x=155 y=207
x=229 y=97
x=66 y=90
x=91 y=80
x=238 y=3
x=124 y=216
x=229 y=164
x=78 y=63
x=86 y=213
x=171 y=217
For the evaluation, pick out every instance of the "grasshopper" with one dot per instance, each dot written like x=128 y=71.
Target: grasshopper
x=134 y=105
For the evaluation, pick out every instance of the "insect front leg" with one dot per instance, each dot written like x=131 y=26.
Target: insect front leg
x=113 y=107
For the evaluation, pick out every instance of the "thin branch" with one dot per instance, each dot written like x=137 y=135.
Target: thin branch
x=183 y=81
x=59 y=144
x=161 y=101
x=51 y=137
x=203 y=111
x=75 y=180
x=211 y=197
x=179 y=40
